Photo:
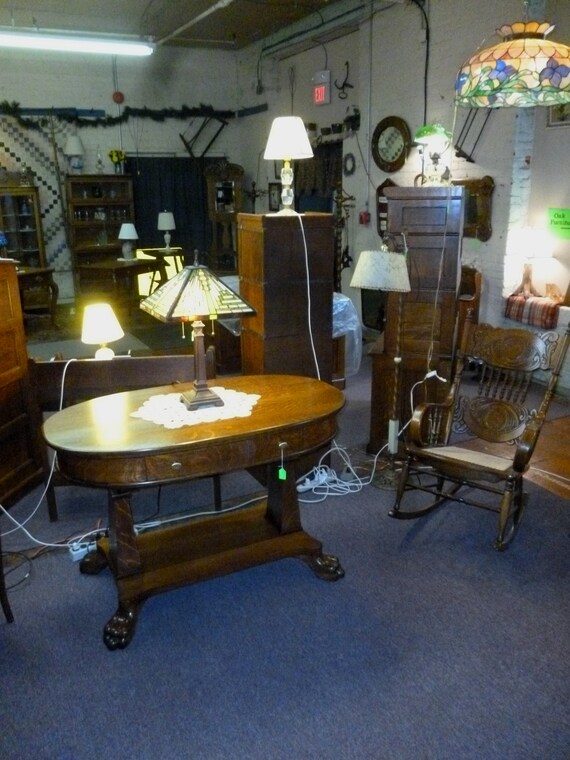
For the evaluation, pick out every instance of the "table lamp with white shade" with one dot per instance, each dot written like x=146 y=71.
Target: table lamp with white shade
x=388 y=271
x=128 y=234
x=166 y=224
x=288 y=140
x=100 y=327
x=73 y=150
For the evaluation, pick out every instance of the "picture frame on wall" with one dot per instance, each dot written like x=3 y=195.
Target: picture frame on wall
x=559 y=116
x=274 y=195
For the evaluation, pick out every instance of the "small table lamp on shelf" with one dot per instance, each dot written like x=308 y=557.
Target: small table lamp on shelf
x=129 y=234
x=195 y=293
x=388 y=271
x=73 y=150
x=166 y=224
x=101 y=326
x=288 y=140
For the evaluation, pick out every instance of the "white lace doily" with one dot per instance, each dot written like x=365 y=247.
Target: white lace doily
x=168 y=410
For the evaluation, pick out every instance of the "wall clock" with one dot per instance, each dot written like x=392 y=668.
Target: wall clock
x=391 y=142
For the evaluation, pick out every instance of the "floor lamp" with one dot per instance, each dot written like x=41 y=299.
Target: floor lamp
x=388 y=271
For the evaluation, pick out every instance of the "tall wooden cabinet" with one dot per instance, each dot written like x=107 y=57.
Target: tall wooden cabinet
x=21 y=460
x=20 y=221
x=224 y=184
x=431 y=218
x=97 y=206
x=273 y=271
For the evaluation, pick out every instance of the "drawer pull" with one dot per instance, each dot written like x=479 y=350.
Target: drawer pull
x=176 y=465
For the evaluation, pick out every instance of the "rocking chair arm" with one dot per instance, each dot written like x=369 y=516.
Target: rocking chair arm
x=526 y=445
x=431 y=423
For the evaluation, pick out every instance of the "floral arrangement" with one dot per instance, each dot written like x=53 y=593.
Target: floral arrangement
x=117 y=156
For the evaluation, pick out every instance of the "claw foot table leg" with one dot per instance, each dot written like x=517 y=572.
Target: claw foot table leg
x=120 y=629
x=325 y=566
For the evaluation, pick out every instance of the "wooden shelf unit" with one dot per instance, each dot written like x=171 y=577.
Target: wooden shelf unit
x=224 y=186
x=97 y=206
x=273 y=279
x=21 y=223
x=21 y=461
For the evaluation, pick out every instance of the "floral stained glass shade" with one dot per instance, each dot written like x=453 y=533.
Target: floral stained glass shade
x=523 y=70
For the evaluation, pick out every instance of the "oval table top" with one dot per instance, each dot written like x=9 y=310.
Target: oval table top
x=300 y=411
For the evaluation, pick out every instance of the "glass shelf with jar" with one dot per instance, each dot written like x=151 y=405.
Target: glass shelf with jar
x=20 y=223
x=97 y=205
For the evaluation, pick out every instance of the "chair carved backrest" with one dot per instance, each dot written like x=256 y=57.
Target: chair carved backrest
x=507 y=360
x=489 y=393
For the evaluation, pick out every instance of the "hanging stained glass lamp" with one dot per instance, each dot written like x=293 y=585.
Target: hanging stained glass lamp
x=524 y=70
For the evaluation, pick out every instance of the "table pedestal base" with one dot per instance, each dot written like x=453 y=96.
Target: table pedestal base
x=195 y=550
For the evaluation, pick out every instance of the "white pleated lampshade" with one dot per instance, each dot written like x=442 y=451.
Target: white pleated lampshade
x=288 y=139
x=381 y=270
x=166 y=221
x=100 y=325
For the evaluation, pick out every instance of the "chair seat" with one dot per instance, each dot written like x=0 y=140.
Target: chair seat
x=467 y=462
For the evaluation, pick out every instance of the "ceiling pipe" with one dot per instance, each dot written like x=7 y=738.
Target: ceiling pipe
x=200 y=17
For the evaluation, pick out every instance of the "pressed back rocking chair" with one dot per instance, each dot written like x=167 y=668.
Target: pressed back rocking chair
x=490 y=404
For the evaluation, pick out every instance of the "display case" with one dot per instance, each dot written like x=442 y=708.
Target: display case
x=20 y=221
x=21 y=463
x=224 y=183
x=97 y=206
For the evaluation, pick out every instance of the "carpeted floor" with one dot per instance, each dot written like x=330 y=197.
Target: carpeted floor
x=432 y=647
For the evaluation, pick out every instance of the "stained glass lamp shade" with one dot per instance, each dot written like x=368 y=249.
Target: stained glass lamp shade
x=195 y=293
x=525 y=69
x=435 y=140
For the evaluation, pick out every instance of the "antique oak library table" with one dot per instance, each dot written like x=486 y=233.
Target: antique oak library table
x=100 y=444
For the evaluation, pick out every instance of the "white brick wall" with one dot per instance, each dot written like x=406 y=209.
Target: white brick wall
x=386 y=63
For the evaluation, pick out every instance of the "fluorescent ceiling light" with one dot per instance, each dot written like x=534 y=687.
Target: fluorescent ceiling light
x=69 y=43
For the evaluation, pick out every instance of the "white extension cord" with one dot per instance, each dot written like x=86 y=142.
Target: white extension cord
x=317 y=477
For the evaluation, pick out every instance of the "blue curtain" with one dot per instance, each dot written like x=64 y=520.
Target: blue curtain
x=177 y=185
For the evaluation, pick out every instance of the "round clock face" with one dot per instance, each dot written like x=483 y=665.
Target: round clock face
x=391 y=143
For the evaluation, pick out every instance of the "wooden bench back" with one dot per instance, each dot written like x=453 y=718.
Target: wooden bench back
x=84 y=379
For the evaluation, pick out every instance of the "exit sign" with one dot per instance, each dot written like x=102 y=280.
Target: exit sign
x=322 y=88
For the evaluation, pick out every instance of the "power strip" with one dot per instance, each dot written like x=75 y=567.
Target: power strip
x=78 y=550
x=318 y=477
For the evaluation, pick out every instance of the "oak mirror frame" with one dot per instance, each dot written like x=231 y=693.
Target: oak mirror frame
x=478 y=204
